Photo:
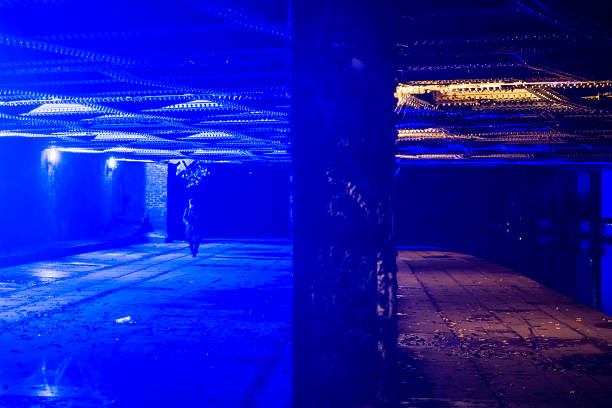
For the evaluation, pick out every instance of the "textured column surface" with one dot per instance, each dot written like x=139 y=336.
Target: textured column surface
x=344 y=259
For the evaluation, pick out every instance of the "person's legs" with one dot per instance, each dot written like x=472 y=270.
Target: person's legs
x=196 y=242
x=192 y=247
x=191 y=238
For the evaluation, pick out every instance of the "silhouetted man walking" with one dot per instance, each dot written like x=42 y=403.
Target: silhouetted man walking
x=190 y=218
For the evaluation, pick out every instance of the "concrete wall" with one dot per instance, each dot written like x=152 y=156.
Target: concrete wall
x=129 y=192
x=77 y=193
x=25 y=200
x=78 y=197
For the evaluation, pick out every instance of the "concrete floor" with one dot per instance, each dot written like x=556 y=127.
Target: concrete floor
x=475 y=334
x=149 y=326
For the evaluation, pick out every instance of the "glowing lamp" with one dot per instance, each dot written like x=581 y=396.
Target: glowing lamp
x=53 y=155
x=111 y=163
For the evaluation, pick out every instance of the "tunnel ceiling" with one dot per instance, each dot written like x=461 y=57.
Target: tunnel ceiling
x=510 y=81
x=479 y=81
x=149 y=79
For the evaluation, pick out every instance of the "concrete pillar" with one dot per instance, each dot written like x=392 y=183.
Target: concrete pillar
x=156 y=194
x=344 y=260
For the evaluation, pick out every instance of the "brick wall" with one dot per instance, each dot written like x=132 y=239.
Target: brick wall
x=156 y=195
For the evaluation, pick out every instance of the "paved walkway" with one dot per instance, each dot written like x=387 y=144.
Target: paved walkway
x=149 y=326
x=475 y=334
x=119 y=237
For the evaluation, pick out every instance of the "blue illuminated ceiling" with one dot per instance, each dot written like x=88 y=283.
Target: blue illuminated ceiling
x=495 y=80
x=526 y=81
x=192 y=79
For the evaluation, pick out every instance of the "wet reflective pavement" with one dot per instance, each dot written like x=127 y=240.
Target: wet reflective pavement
x=149 y=326
x=476 y=334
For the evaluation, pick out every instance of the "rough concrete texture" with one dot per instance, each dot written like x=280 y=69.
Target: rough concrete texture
x=149 y=326
x=476 y=334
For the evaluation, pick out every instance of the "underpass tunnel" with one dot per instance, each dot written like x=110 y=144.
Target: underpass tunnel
x=306 y=204
x=113 y=115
